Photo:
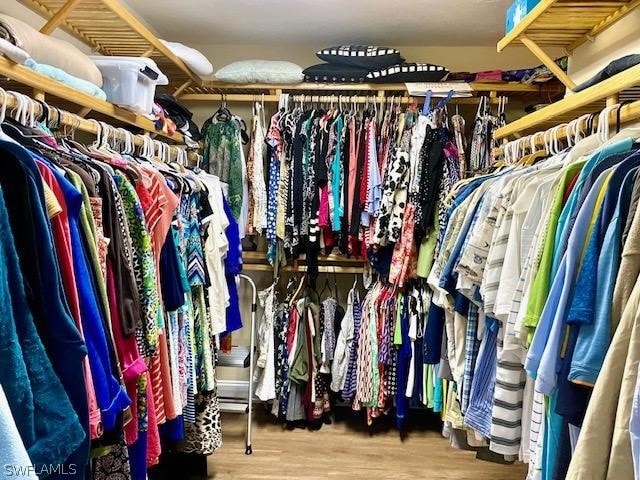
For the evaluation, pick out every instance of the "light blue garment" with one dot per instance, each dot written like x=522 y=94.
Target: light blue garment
x=337 y=177
x=544 y=352
x=552 y=430
x=69 y=80
x=595 y=333
x=14 y=458
x=573 y=201
x=478 y=415
x=437 y=389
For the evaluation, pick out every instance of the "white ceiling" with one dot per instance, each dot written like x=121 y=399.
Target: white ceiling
x=326 y=22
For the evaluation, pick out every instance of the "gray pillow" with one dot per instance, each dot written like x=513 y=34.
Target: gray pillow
x=260 y=71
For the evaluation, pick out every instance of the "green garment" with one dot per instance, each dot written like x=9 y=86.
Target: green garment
x=143 y=266
x=430 y=389
x=542 y=281
x=397 y=332
x=299 y=371
x=223 y=158
x=427 y=250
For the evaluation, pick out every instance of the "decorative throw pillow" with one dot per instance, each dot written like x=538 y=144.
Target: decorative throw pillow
x=409 y=72
x=363 y=56
x=193 y=58
x=328 y=72
x=260 y=71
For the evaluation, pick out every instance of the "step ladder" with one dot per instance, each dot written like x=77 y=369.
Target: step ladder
x=236 y=396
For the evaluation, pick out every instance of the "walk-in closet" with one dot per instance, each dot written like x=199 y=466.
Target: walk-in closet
x=246 y=240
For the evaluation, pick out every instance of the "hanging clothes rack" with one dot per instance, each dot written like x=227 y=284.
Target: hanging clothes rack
x=360 y=93
x=614 y=114
x=13 y=100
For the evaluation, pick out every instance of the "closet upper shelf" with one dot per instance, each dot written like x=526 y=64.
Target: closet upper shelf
x=623 y=87
x=18 y=77
x=111 y=29
x=566 y=24
x=212 y=91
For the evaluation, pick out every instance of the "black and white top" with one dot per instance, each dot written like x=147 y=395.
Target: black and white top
x=409 y=72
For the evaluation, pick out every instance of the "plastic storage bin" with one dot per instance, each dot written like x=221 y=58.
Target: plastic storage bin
x=517 y=11
x=130 y=82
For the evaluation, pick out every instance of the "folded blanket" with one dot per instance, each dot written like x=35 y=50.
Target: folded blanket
x=64 y=77
x=16 y=54
x=48 y=50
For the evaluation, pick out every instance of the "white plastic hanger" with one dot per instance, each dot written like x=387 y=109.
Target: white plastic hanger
x=3 y=113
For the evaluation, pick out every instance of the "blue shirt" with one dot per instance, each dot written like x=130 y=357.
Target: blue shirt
x=110 y=394
x=573 y=202
x=593 y=305
x=233 y=266
x=544 y=351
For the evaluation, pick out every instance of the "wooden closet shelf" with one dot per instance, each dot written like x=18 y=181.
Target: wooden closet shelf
x=111 y=29
x=70 y=119
x=629 y=112
x=260 y=258
x=302 y=269
x=257 y=262
x=18 y=77
x=566 y=24
x=216 y=91
x=623 y=87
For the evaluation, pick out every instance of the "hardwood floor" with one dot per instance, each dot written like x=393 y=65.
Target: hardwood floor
x=347 y=449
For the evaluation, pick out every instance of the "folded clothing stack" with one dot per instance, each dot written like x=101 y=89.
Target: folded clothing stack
x=180 y=115
x=49 y=56
x=539 y=74
x=362 y=63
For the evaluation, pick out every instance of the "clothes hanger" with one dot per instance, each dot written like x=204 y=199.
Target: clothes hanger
x=223 y=114
x=326 y=285
x=22 y=125
x=536 y=154
x=3 y=113
x=294 y=298
x=426 y=107
x=335 y=285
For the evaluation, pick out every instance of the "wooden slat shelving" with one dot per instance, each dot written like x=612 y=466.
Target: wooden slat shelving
x=565 y=24
x=18 y=76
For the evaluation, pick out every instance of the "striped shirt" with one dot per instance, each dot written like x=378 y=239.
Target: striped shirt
x=472 y=344
x=478 y=415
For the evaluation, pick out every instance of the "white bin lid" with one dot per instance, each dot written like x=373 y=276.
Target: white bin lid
x=139 y=62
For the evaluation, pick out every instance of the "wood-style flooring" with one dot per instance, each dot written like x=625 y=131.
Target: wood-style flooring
x=347 y=449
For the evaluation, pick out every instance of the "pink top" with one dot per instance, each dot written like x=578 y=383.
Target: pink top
x=131 y=362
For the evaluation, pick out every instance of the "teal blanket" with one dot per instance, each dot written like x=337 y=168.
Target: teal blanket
x=64 y=77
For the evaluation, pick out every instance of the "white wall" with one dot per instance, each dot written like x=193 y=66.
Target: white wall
x=470 y=58
x=623 y=38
